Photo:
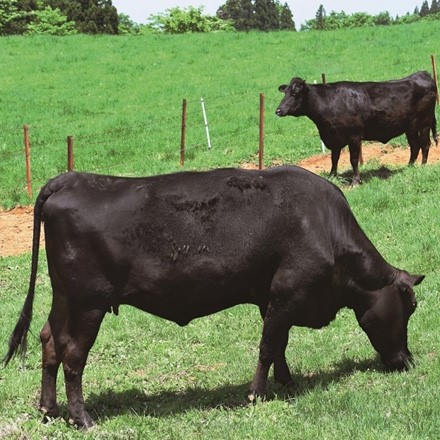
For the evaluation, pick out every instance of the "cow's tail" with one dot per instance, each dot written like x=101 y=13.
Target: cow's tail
x=17 y=343
x=434 y=132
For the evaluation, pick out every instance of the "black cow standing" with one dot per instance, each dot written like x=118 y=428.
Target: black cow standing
x=186 y=245
x=348 y=112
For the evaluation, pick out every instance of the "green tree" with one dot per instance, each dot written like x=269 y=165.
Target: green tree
x=15 y=15
x=286 y=19
x=7 y=10
x=336 y=20
x=127 y=25
x=320 y=18
x=359 y=19
x=382 y=19
x=51 y=22
x=340 y=20
x=407 y=18
x=181 y=21
x=244 y=23
x=424 y=10
x=90 y=16
x=265 y=15
x=240 y=12
x=435 y=7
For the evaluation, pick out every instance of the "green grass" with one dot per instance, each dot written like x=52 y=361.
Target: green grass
x=121 y=97
x=148 y=378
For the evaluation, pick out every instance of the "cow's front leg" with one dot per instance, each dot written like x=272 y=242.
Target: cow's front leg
x=281 y=370
x=272 y=348
x=336 y=153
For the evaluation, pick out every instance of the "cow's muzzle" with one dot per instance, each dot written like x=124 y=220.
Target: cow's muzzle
x=280 y=112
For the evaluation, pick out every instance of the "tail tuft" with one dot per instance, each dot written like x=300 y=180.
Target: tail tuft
x=18 y=341
x=434 y=132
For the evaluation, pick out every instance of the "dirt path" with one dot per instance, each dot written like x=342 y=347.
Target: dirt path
x=16 y=224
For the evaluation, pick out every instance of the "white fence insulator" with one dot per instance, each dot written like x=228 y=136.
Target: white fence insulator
x=206 y=123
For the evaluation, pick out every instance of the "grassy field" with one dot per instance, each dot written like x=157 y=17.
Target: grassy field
x=121 y=97
x=147 y=378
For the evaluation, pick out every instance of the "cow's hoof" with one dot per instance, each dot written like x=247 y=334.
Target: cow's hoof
x=49 y=413
x=254 y=398
x=82 y=423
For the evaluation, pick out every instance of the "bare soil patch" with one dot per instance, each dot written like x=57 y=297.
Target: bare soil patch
x=16 y=227
x=16 y=224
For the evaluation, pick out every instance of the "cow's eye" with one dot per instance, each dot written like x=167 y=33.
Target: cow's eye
x=411 y=306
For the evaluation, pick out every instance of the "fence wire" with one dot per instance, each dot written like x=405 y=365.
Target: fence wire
x=233 y=120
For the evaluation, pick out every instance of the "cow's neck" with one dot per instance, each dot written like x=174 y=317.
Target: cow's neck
x=358 y=264
x=315 y=107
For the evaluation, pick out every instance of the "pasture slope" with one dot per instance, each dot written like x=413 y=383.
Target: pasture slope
x=120 y=97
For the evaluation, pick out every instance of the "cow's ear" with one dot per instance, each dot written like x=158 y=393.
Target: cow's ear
x=417 y=279
x=409 y=281
x=282 y=88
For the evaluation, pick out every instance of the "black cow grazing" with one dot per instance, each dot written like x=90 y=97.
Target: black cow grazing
x=186 y=245
x=348 y=112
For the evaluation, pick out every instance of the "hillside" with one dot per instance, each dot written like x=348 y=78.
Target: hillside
x=121 y=97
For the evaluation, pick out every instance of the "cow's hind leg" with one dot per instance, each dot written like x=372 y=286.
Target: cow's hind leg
x=414 y=145
x=78 y=336
x=50 y=365
x=355 y=150
x=425 y=143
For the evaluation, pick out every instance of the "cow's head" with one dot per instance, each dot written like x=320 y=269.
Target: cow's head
x=294 y=102
x=384 y=315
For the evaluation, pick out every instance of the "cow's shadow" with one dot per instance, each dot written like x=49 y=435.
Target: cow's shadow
x=381 y=173
x=109 y=403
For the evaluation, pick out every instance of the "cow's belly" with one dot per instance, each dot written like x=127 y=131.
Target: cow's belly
x=384 y=130
x=181 y=293
x=189 y=302
x=382 y=136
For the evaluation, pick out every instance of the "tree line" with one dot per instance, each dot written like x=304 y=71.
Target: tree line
x=339 y=20
x=64 y=17
x=426 y=10
x=58 y=17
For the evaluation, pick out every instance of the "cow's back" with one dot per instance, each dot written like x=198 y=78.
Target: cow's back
x=220 y=210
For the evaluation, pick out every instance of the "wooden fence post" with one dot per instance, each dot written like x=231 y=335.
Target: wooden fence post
x=70 y=162
x=183 y=134
x=261 y=134
x=27 y=155
x=434 y=74
x=323 y=80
